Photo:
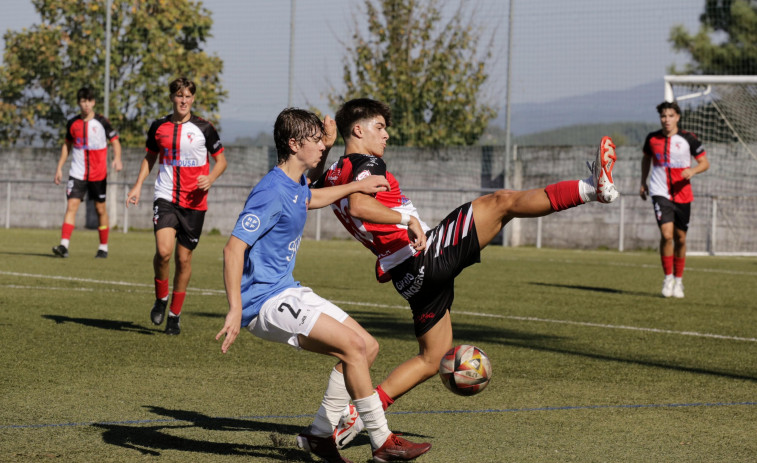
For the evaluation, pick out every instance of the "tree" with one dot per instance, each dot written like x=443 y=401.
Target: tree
x=152 y=42
x=428 y=72
x=733 y=20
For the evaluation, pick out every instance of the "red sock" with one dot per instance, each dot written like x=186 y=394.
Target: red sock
x=161 y=289
x=66 y=230
x=678 y=264
x=177 y=300
x=385 y=399
x=563 y=195
x=103 y=231
x=667 y=264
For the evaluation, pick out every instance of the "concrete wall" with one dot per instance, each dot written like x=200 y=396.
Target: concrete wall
x=436 y=181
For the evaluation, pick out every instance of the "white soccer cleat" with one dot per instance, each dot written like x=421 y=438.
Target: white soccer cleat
x=667 y=286
x=350 y=425
x=678 y=289
x=601 y=171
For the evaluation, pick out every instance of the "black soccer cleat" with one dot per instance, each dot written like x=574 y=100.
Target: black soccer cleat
x=101 y=254
x=60 y=251
x=158 y=311
x=172 y=325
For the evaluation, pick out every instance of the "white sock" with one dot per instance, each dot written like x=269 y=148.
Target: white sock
x=335 y=399
x=372 y=413
x=64 y=243
x=103 y=247
x=679 y=280
x=586 y=190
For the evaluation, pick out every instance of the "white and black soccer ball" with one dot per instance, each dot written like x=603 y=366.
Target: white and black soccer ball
x=465 y=370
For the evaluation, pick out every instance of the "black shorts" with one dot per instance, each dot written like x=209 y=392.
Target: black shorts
x=76 y=189
x=427 y=280
x=186 y=222
x=667 y=211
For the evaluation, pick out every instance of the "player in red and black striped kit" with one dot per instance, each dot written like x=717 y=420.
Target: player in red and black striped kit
x=183 y=145
x=423 y=262
x=87 y=137
x=668 y=153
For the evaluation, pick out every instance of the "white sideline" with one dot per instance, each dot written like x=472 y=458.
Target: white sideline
x=385 y=306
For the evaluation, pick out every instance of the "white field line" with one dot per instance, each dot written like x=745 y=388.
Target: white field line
x=387 y=306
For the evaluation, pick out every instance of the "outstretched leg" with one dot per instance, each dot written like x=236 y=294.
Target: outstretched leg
x=492 y=212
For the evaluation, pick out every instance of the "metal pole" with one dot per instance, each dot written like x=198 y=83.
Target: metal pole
x=291 y=53
x=106 y=106
x=507 y=104
x=509 y=75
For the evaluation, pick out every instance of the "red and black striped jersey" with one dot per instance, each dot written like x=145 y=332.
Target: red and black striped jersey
x=671 y=156
x=184 y=154
x=89 y=147
x=389 y=242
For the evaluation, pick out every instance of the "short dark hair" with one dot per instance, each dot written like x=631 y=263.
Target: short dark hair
x=180 y=84
x=297 y=124
x=85 y=93
x=360 y=109
x=668 y=105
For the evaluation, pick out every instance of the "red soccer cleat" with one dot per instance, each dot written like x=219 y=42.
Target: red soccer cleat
x=398 y=449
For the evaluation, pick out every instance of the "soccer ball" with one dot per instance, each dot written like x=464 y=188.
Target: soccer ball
x=465 y=370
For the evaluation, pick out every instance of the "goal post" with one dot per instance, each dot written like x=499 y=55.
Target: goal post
x=722 y=112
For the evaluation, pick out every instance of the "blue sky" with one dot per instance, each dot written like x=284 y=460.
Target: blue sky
x=561 y=48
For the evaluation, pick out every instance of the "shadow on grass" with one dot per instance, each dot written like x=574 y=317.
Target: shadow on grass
x=400 y=327
x=152 y=439
x=30 y=254
x=598 y=289
x=113 y=325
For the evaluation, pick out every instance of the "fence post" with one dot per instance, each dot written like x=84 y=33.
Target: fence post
x=713 y=226
x=8 y=205
x=538 y=232
x=621 y=228
x=318 y=224
x=126 y=209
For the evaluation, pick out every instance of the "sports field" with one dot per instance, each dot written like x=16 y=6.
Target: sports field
x=590 y=364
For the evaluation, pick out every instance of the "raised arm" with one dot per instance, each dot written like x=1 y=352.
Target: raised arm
x=372 y=184
x=205 y=181
x=369 y=209
x=329 y=138
x=702 y=165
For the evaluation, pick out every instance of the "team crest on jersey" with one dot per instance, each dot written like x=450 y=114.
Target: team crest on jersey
x=250 y=222
x=190 y=136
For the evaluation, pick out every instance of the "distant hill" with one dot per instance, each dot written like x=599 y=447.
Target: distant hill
x=636 y=104
x=575 y=120
x=622 y=133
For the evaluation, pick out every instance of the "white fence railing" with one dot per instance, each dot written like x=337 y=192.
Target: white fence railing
x=627 y=225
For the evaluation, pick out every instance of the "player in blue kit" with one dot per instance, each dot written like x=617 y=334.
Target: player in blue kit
x=265 y=299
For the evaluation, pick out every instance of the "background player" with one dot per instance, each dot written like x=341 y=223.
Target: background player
x=668 y=152
x=87 y=137
x=421 y=262
x=183 y=144
x=263 y=296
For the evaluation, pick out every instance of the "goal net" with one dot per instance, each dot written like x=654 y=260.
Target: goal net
x=722 y=112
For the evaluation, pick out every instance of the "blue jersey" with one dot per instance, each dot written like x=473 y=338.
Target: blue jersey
x=271 y=223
